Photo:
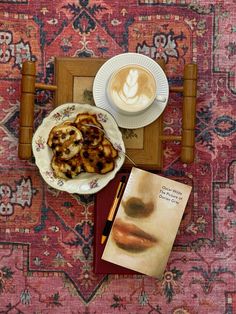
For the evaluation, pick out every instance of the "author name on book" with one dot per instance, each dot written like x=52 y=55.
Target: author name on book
x=171 y=195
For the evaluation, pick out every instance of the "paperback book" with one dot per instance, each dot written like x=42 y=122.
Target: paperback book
x=146 y=223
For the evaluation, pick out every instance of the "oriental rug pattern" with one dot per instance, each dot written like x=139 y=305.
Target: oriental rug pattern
x=46 y=236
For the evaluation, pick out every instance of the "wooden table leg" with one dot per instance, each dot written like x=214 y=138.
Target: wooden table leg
x=27 y=110
x=189 y=113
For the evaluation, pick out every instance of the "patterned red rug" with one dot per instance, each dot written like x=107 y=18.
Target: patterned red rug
x=46 y=236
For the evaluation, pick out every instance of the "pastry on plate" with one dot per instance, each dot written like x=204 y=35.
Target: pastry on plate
x=81 y=146
x=94 y=160
x=90 y=128
x=65 y=140
x=66 y=169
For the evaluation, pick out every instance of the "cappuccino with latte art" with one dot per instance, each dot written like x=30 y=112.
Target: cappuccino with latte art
x=131 y=89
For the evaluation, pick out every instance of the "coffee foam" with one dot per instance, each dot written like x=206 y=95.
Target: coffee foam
x=132 y=88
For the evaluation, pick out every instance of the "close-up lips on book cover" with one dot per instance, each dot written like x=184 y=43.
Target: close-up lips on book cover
x=131 y=238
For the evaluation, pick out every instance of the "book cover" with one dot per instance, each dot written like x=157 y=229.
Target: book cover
x=146 y=223
x=103 y=202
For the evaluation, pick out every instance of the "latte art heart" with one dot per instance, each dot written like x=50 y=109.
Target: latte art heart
x=130 y=92
x=132 y=89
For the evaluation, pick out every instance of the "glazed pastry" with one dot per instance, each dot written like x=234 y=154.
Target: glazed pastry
x=67 y=169
x=108 y=148
x=65 y=140
x=95 y=161
x=81 y=145
x=92 y=135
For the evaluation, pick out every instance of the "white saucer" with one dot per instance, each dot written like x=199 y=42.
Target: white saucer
x=99 y=89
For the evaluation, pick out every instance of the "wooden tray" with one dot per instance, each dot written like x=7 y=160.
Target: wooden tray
x=74 y=80
x=73 y=83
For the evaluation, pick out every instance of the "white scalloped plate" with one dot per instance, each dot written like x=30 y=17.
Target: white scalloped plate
x=100 y=97
x=84 y=183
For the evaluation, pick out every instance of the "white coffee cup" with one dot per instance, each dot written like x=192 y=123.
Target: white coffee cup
x=131 y=89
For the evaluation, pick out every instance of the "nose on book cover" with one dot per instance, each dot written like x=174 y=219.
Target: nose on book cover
x=146 y=223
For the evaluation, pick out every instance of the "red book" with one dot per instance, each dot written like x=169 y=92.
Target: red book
x=103 y=203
